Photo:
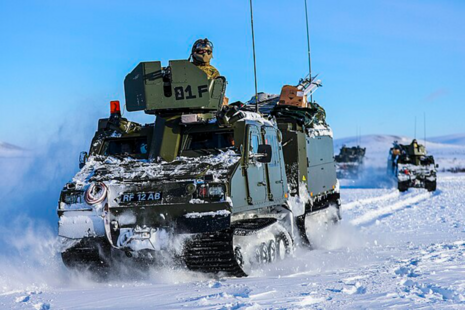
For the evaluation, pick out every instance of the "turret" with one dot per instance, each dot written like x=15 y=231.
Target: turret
x=179 y=88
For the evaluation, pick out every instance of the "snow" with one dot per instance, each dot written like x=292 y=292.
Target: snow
x=195 y=215
x=391 y=250
x=415 y=172
x=99 y=168
x=143 y=238
x=252 y=116
x=197 y=201
x=80 y=224
x=320 y=130
x=297 y=202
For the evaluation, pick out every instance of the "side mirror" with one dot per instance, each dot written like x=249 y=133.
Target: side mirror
x=82 y=159
x=264 y=152
x=437 y=166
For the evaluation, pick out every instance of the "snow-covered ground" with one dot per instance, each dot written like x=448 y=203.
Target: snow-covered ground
x=399 y=250
x=405 y=250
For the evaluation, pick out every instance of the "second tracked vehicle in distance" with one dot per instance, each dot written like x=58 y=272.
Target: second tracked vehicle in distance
x=410 y=165
x=220 y=188
x=349 y=162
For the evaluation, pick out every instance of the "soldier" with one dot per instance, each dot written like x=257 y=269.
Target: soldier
x=201 y=54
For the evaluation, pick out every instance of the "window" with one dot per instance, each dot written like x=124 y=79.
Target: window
x=136 y=147
x=254 y=142
x=271 y=139
x=209 y=140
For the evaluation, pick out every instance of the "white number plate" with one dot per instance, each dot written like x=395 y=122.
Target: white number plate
x=140 y=196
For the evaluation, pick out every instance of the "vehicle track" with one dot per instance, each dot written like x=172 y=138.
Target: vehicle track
x=367 y=201
x=371 y=216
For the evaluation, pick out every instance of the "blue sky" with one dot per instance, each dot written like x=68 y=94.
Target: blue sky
x=382 y=62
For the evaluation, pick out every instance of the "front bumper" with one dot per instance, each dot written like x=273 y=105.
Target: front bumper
x=148 y=227
x=416 y=180
x=80 y=224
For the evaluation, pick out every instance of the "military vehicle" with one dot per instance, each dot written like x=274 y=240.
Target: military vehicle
x=219 y=188
x=411 y=166
x=349 y=162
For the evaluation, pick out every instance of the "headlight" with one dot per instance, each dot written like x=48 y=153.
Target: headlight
x=216 y=191
x=190 y=188
x=96 y=193
x=211 y=191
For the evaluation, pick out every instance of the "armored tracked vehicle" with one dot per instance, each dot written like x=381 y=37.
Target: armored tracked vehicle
x=411 y=166
x=219 y=188
x=349 y=162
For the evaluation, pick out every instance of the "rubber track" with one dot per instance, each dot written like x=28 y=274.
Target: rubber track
x=212 y=253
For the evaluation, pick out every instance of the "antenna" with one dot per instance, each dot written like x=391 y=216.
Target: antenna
x=415 y=130
x=308 y=44
x=424 y=126
x=254 y=61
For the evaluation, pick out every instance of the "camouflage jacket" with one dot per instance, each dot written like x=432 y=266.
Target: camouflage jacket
x=212 y=72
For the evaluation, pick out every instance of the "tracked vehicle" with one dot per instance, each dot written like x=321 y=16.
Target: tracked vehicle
x=219 y=188
x=349 y=162
x=411 y=166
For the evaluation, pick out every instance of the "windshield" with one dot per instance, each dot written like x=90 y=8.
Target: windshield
x=199 y=141
x=134 y=147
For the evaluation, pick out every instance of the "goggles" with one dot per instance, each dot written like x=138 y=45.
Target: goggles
x=203 y=51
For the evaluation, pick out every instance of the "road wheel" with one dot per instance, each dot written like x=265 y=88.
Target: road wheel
x=272 y=251
x=263 y=255
x=283 y=246
x=239 y=257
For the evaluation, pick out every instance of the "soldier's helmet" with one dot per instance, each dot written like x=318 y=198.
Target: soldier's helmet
x=202 y=51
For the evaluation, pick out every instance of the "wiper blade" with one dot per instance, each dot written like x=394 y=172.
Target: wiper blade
x=206 y=151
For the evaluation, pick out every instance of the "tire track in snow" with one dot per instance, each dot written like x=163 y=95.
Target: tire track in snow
x=367 y=201
x=373 y=215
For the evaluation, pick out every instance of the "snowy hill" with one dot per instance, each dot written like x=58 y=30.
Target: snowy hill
x=448 y=151
x=457 y=139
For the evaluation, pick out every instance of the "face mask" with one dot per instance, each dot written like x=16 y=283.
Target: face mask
x=203 y=55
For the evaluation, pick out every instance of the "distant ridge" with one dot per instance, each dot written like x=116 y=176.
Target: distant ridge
x=8 y=146
x=457 y=139
x=10 y=150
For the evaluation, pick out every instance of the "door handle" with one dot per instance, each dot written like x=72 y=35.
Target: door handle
x=261 y=184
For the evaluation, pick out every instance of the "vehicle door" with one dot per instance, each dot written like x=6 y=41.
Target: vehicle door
x=276 y=166
x=256 y=180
